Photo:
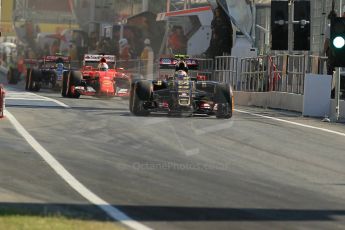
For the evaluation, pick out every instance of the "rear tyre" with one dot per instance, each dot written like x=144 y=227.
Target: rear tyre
x=142 y=92
x=64 y=84
x=70 y=79
x=223 y=99
x=33 y=81
x=131 y=93
x=28 y=71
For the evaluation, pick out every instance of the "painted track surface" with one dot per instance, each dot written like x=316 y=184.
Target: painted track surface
x=183 y=173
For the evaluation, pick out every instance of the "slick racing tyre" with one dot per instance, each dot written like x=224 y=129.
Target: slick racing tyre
x=131 y=93
x=64 y=84
x=223 y=99
x=33 y=80
x=70 y=79
x=28 y=71
x=141 y=93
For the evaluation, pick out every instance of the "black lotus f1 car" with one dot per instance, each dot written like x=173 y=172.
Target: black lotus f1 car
x=181 y=94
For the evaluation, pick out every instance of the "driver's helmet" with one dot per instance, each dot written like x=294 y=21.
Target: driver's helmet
x=59 y=65
x=59 y=60
x=103 y=66
x=180 y=75
x=181 y=65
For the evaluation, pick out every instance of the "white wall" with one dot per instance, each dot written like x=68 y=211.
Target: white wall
x=276 y=100
x=279 y=100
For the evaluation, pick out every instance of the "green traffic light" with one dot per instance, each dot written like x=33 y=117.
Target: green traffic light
x=339 y=42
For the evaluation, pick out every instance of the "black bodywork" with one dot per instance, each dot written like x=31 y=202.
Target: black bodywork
x=46 y=72
x=181 y=96
x=180 y=93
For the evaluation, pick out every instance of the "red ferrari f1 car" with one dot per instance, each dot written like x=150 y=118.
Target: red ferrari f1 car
x=96 y=79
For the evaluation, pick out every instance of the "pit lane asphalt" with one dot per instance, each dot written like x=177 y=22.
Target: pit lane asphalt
x=192 y=173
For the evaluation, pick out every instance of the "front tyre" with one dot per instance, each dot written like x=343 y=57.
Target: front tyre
x=28 y=71
x=223 y=99
x=70 y=79
x=141 y=93
x=131 y=97
x=33 y=80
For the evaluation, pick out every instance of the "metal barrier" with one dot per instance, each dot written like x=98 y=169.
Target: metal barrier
x=283 y=73
x=295 y=74
x=254 y=74
x=317 y=64
x=206 y=67
x=287 y=73
x=226 y=71
x=277 y=72
x=2 y=101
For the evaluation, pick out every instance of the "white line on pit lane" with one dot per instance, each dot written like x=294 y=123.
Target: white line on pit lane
x=292 y=123
x=112 y=211
x=26 y=99
x=28 y=96
x=53 y=100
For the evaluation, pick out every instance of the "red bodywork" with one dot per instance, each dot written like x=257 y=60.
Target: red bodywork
x=105 y=83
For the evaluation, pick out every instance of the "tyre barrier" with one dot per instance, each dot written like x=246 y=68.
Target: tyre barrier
x=2 y=101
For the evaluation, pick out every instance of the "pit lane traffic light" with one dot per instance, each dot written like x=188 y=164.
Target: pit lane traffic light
x=302 y=27
x=337 y=41
x=279 y=26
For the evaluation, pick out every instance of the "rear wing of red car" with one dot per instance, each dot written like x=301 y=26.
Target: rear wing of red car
x=98 y=57
x=91 y=60
x=170 y=63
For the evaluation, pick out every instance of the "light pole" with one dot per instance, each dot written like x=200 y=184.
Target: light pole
x=337 y=78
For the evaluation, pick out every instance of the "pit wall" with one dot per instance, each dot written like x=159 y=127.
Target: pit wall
x=278 y=100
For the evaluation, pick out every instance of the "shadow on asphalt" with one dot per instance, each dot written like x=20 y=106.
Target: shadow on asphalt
x=171 y=213
x=98 y=109
x=165 y=115
x=71 y=108
x=35 y=106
